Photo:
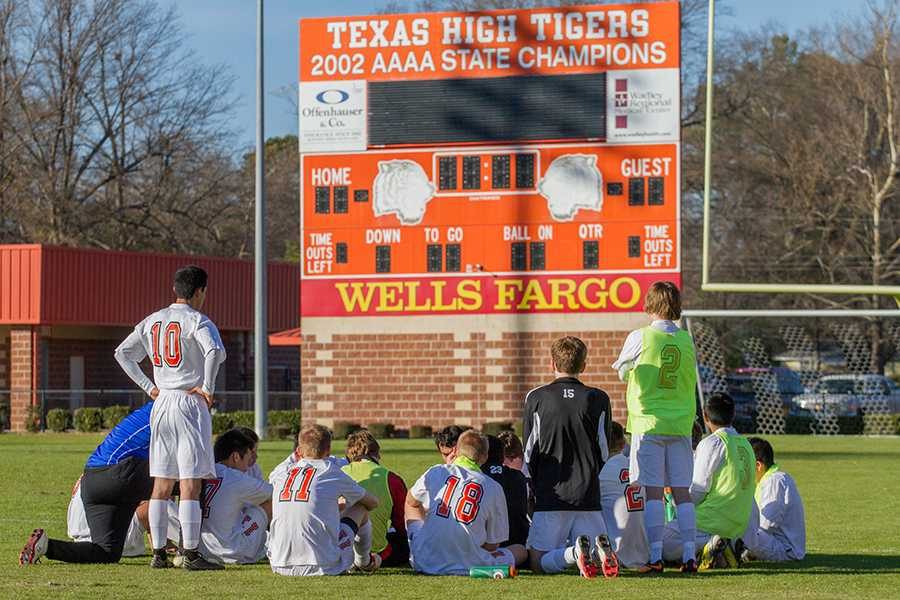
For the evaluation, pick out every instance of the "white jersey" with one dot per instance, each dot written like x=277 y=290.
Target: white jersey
x=78 y=529
x=464 y=509
x=292 y=459
x=623 y=509
x=226 y=532
x=306 y=520
x=184 y=347
x=781 y=513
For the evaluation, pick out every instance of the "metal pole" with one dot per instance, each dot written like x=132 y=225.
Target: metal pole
x=707 y=150
x=260 y=329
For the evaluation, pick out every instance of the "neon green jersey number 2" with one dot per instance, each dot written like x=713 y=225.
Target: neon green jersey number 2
x=670 y=357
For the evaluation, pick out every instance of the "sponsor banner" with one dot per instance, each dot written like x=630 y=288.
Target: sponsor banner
x=478 y=294
x=333 y=116
x=564 y=40
x=643 y=106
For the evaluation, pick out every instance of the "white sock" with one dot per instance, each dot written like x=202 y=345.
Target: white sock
x=557 y=561
x=189 y=514
x=159 y=521
x=362 y=545
x=687 y=525
x=655 y=524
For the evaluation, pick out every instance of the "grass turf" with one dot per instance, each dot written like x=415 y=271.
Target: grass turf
x=850 y=488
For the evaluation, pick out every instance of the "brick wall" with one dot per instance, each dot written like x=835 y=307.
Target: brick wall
x=22 y=359
x=4 y=361
x=440 y=378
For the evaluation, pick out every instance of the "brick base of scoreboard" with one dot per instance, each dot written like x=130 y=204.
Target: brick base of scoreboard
x=466 y=377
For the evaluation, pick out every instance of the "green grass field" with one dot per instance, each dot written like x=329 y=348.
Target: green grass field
x=850 y=487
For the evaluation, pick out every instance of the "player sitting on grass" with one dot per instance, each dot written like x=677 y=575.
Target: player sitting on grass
x=255 y=470
x=386 y=522
x=623 y=504
x=515 y=489
x=78 y=529
x=658 y=363
x=294 y=457
x=456 y=515
x=722 y=487
x=781 y=532
x=309 y=535
x=445 y=441
x=566 y=427
x=513 y=453
x=236 y=506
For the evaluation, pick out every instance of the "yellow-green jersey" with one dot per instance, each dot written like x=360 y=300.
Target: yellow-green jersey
x=374 y=479
x=726 y=467
x=661 y=383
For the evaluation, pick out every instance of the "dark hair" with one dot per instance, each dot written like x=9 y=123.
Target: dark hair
x=495 y=450
x=763 y=451
x=233 y=440
x=249 y=433
x=449 y=435
x=188 y=280
x=569 y=355
x=512 y=445
x=616 y=435
x=362 y=444
x=719 y=409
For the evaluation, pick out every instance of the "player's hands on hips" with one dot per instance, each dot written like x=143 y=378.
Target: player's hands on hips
x=206 y=397
x=154 y=393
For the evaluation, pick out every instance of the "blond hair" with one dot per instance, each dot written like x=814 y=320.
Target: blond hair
x=472 y=445
x=314 y=441
x=362 y=444
x=664 y=300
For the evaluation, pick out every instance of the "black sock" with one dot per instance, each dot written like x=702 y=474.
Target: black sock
x=191 y=554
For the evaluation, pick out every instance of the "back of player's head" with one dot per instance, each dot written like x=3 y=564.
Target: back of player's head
x=473 y=445
x=362 y=444
x=569 y=355
x=448 y=436
x=616 y=437
x=249 y=433
x=233 y=440
x=188 y=280
x=719 y=409
x=495 y=450
x=314 y=441
x=763 y=451
x=512 y=445
x=664 y=300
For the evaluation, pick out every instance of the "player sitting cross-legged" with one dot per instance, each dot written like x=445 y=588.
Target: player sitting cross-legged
x=780 y=532
x=456 y=515
x=309 y=534
x=236 y=506
x=623 y=504
x=186 y=350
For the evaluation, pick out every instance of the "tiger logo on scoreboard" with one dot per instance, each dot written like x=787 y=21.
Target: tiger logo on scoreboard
x=572 y=182
x=402 y=188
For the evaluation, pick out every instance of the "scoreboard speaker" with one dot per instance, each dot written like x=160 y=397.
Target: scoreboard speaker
x=498 y=109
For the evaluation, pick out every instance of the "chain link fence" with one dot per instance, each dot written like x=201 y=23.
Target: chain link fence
x=802 y=374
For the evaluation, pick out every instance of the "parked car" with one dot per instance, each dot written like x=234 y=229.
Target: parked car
x=851 y=394
x=746 y=384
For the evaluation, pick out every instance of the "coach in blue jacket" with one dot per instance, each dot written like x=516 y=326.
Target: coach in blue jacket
x=116 y=479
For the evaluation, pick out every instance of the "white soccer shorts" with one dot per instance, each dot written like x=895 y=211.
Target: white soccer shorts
x=661 y=460
x=181 y=444
x=345 y=543
x=554 y=529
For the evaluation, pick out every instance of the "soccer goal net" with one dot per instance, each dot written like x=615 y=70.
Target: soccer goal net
x=802 y=372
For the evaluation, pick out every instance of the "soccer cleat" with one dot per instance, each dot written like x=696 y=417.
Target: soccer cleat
x=194 y=561
x=160 y=560
x=34 y=549
x=586 y=566
x=651 y=568
x=689 y=567
x=741 y=552
x=374 y=564
x=712 y=554
x=606 y=557
x=730 y=557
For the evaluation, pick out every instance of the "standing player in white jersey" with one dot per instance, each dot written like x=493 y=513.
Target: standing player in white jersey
x=456 y=515
x=236 y=506
x=309 y=534
x=185 y=349
x=623 y=504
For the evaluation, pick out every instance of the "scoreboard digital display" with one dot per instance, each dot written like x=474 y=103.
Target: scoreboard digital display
x=433 y=182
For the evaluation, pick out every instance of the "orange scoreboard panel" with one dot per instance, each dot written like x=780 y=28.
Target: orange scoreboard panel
x=550 y=184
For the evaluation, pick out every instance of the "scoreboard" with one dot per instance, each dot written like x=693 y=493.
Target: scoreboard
x=490 y=162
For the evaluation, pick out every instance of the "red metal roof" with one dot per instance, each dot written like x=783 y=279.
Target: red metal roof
x=49 y=285
x=289 y=337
